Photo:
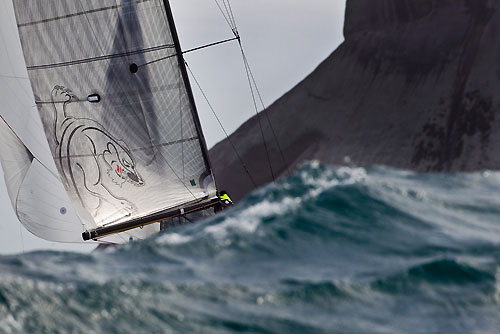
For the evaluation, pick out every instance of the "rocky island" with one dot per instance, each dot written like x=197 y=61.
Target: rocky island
x=415 y=85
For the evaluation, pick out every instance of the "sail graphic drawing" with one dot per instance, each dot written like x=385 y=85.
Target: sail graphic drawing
x=122 y=128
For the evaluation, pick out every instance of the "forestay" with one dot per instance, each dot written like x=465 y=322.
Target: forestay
x=125 y=138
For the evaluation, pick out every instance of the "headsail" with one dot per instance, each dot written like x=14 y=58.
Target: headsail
x=22 y=137
x=124 y=136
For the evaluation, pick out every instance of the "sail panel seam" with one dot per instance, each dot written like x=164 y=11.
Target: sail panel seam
x=77 y=14
x=181 y=141
x=99 y=58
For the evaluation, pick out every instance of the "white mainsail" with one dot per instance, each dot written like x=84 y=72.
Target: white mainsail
x=124 y=139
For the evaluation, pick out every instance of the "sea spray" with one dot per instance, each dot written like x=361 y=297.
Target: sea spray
x=327 y=250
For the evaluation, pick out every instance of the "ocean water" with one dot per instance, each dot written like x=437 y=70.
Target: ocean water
x=326 y=250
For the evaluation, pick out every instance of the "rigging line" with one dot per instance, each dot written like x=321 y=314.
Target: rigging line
x=258 y=117
x=224 y=14
x=266 y=113
x=229 y=22
x=223 y=129
x=234 y=28
x=190 y=50
x=230 y=13
x=102 y=50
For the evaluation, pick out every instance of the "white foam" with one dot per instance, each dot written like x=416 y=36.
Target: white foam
x=332 y=178
x=174 y=239
x=249 y=219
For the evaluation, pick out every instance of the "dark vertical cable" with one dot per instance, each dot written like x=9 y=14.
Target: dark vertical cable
x=229 y=17
x=223 y=129
x=258 y=116
x=264 y=111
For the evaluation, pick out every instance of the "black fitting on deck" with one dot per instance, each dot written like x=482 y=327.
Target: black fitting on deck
x=86 y=236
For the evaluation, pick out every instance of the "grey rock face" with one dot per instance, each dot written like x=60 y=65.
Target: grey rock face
x=415 y=85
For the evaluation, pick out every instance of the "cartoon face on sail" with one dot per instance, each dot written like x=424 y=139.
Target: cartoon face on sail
x=93 y=162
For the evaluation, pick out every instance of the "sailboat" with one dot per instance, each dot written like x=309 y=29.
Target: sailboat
x=117 y=147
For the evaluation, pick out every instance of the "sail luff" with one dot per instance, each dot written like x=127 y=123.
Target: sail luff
x=15 y=159
x=185 y=76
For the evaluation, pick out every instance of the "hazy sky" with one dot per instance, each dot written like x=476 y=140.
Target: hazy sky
x=284 y=41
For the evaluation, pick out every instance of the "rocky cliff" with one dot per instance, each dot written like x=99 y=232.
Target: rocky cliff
x=415 y=85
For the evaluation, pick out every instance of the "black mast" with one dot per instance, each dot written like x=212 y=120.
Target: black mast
x=182 y=65
x=189 y=207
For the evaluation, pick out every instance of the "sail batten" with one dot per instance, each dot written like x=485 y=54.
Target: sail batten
x=103 y=57
x=42 y=21
x=126 y=139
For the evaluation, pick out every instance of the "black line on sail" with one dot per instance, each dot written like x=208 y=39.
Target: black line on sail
x=191 y=50
x=77 y=14
x=180 y=141
x=122 y=95
x=133 y=67
x=98 y=58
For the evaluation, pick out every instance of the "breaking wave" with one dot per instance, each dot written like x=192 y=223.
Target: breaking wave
x=327 y=250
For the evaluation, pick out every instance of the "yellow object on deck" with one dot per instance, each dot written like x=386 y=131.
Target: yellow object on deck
x=226 y=199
